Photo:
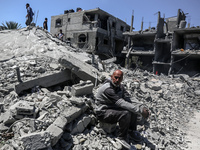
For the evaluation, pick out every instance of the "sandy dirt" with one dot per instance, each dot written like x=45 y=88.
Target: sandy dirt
x=193 y=132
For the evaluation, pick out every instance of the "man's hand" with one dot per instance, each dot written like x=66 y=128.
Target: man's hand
x=146 y=113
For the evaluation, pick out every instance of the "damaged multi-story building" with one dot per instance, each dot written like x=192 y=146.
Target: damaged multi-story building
x=170 y=48
x=94 y=30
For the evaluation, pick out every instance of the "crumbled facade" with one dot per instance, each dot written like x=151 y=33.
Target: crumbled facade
x=94 y=30
x=170 y=48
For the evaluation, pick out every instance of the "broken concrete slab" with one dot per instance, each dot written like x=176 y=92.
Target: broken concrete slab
x=55 y=132
x=74 y=112
x=154 y=84
x=8 y=118
x=60 y=122
x=83 y=88
x=80 y=126
x=35 y=141
x=83 y=70
x=45 y=81
x=23 y=108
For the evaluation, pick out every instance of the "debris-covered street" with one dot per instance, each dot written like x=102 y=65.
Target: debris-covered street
x=47 y=93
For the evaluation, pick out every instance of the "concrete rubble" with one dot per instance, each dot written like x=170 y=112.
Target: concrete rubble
x=58 y=115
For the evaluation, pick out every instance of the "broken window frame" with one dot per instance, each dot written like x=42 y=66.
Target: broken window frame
x=82 y=38
x=58 y=22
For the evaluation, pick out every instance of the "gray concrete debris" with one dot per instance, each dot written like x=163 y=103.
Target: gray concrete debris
x=83 y=88
x=45 y=81
x=23 y=108
x=54 y=109
x=55 y=132
x=81 y=69
x=35 y=141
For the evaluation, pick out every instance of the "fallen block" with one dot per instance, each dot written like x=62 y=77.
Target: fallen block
x=83 y=70
x=35 y=141
x=74 y=112
x=55 y=132
x=23 y=108
x=45 y=81
x=80 y=126
x=60 y=122
x=82 y=88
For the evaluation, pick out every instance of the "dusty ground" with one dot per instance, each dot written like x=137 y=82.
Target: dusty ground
x=193 y=132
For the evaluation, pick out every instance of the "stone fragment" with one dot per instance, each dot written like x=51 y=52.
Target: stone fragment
x=40 y=70
x=197 y=92
x=154 y=84
x=73 y=113
x=83 y=88
x=45 y=81
x=78 y=101
x=54 y=66
x=80 y=126
x=55 y=132
x=35 y=141
x=8 y=118
x=3 y=127
x=83 y=70
x=23 y=108
x=60 y=122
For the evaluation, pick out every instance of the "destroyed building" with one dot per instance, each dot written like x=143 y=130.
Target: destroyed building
x=170 y=48
x=95 y=31
x=47 y=93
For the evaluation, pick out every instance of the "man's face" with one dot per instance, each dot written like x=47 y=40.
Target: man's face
x=26 y=6
x=117 y=77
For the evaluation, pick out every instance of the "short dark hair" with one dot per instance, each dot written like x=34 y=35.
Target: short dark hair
x=27 y=4
x=45 y=18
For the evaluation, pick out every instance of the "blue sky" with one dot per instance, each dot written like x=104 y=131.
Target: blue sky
x=15 y=10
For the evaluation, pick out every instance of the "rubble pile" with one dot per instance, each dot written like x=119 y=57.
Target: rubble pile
x=60 y=115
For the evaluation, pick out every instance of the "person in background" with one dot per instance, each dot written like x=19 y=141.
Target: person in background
x=45 y=24
x=60 y=35
x=29 y=16
x=114 y=105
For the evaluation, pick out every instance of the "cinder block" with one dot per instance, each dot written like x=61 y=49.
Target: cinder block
x=55 y=132
x=60 y=122
x=74 y=112
x=23 y=108
x=82 y=88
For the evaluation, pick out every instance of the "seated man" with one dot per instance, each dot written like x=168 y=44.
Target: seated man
x=60 y=35
x=113 y=105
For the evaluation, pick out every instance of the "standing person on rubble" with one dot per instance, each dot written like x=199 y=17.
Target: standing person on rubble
x=114 y=105
x=29 y=16
x=45 y=24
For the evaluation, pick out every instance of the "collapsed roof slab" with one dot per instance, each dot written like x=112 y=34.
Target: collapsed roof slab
x=83 y=70
x=45 y=81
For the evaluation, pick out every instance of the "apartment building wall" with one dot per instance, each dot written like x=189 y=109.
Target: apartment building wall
x=93 y=30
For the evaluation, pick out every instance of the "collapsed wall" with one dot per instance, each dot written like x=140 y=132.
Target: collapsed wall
x=60 y=115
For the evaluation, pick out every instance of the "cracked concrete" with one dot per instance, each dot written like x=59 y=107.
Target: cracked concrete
x=67 y=120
